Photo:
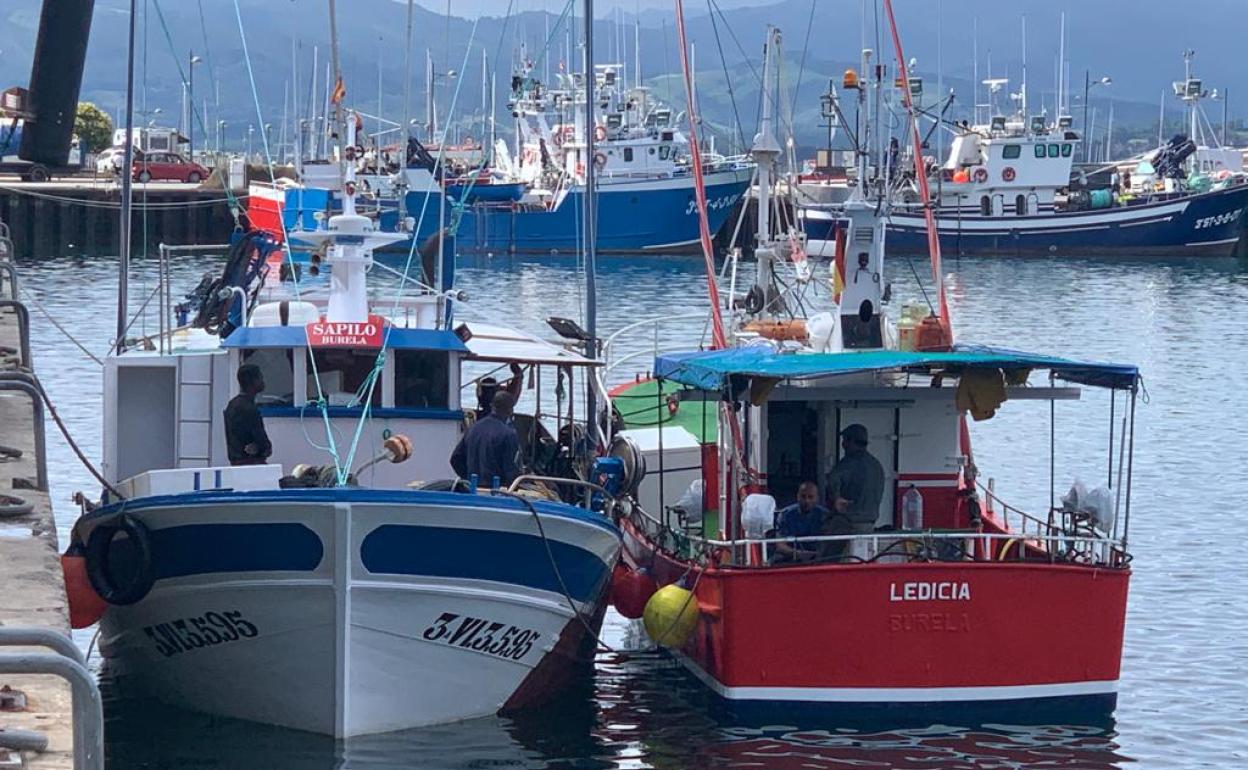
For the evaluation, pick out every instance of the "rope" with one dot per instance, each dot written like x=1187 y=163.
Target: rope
x=554 y=565
x=344 y=470
x=294 y=272
x=717 y=332
x=732 y=94
x=194 y=113
x=38 y=306
x=100 y=204
x=70 y=439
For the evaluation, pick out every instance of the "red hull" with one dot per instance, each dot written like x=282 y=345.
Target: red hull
x=938 y=632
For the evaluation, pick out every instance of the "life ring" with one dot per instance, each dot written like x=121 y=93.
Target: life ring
x=981 y=175
x=99 y=545
x=600 y=160
x=754 y=301
x=1008 y=173
x=600 y=133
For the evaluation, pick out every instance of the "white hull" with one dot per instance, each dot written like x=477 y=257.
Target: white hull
x=352 y=646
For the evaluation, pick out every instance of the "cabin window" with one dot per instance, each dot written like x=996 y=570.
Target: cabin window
x=278 y=367
x=985 y=206
x=1020 y=206
x=1011 y=151
x=421 y=379
x=1066 y=150
x=342 y=374
x=1054 y=150
x=665 y=152
x=1039 y=148
x=628 y=154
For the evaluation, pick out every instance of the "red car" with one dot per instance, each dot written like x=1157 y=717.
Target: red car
x=168 y=165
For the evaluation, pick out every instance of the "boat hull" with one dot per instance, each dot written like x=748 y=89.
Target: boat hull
x=633 y=216
x=1204 y=224
x=347 y=614
x=934 y=636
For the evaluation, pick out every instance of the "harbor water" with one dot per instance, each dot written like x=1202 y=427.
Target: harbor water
x=1181 y=699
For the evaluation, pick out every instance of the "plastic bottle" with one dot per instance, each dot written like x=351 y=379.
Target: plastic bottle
x=912 y=509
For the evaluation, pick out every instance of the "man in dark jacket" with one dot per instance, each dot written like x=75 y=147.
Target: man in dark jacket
x=246 y=442
x=855 y=489
x=490 y=446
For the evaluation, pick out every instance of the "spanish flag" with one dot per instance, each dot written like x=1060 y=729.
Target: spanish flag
x=339 y=92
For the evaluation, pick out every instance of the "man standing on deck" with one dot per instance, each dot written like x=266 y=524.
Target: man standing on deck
x=246 y=441
x=855 y=489
x=489 y=449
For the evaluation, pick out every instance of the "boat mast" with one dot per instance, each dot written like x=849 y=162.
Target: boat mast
x=590 y=231
x=404 y=127
x=127 y=193
x=765 y=152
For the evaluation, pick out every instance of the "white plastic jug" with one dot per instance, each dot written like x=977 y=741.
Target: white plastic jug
x=912 y=509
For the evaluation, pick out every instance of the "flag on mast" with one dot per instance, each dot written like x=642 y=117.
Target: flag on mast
x=339 y=93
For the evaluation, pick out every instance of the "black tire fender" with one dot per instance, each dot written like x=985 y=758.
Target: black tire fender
x=99 y=544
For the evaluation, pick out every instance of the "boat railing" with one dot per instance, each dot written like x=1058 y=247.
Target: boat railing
x=588 y=487
x=1016 y=520
x=610 y=344
x=1084 y=546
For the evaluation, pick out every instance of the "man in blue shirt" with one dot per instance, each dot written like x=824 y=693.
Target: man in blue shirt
x=490 y=446
x=801 y=519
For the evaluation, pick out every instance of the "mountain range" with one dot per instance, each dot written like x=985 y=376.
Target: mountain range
x=1137 y=45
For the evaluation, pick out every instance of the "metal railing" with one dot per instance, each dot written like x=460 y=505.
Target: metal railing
x=68 y=663
x=924 y=545
x=1021 y=523
x=23 y=328
x=25 y=383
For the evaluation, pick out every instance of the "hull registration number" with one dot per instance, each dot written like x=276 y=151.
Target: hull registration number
x=175 y=637
x=495 y=638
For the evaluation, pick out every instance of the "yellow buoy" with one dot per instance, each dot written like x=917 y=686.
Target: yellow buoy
x=670 y=616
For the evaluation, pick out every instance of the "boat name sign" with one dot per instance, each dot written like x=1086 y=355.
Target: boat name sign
x=346 y=334
x=926 y=592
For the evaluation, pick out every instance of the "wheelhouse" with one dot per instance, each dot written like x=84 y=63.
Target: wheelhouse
x=772 y=419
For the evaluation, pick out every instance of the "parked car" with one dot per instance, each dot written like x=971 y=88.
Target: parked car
x=109 y=162
x=168 y=165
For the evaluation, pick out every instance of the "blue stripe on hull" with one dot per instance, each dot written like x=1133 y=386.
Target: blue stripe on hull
x=502 y=557
x=199 y=549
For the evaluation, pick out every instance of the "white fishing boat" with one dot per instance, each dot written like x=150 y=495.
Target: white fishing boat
x=327 y=590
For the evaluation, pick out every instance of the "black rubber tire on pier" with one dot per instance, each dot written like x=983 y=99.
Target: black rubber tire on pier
x=12 y=506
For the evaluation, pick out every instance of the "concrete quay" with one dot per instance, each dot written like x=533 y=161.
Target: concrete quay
x=32 y=588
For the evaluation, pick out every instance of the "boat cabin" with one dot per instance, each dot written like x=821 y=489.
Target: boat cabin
x=1007 y=167
x=774 y=419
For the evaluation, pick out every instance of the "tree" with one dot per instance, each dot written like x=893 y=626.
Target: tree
x=94 y=127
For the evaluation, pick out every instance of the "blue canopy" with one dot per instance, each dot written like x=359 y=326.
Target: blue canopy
x=711 y=369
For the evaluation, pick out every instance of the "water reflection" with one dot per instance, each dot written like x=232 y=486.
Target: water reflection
x=641 y=710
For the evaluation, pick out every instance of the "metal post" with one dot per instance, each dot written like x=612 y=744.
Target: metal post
x=1126 y=513
x=591 y=220
x=127 y=191
x=190 y=105
x=1112 y=398
x=87 y=703
x=14 y=285
x=1087 y=83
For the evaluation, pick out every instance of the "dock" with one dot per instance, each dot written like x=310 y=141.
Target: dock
x=32 y=588
x=79 y=216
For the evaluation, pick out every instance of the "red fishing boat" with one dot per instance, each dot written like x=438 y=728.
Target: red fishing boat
x=946 y=597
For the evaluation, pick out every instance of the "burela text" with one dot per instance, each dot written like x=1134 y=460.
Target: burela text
x=928 y=592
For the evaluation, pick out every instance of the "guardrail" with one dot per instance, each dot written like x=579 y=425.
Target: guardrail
x=68 y=663
x=23 y=328
x=25 y=382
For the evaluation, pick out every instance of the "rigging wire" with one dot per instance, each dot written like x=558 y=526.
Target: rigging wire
x=294 y=271
x=732 y=94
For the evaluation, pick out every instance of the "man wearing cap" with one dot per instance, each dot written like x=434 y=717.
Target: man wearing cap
x=488 y=450
x=855 y=488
